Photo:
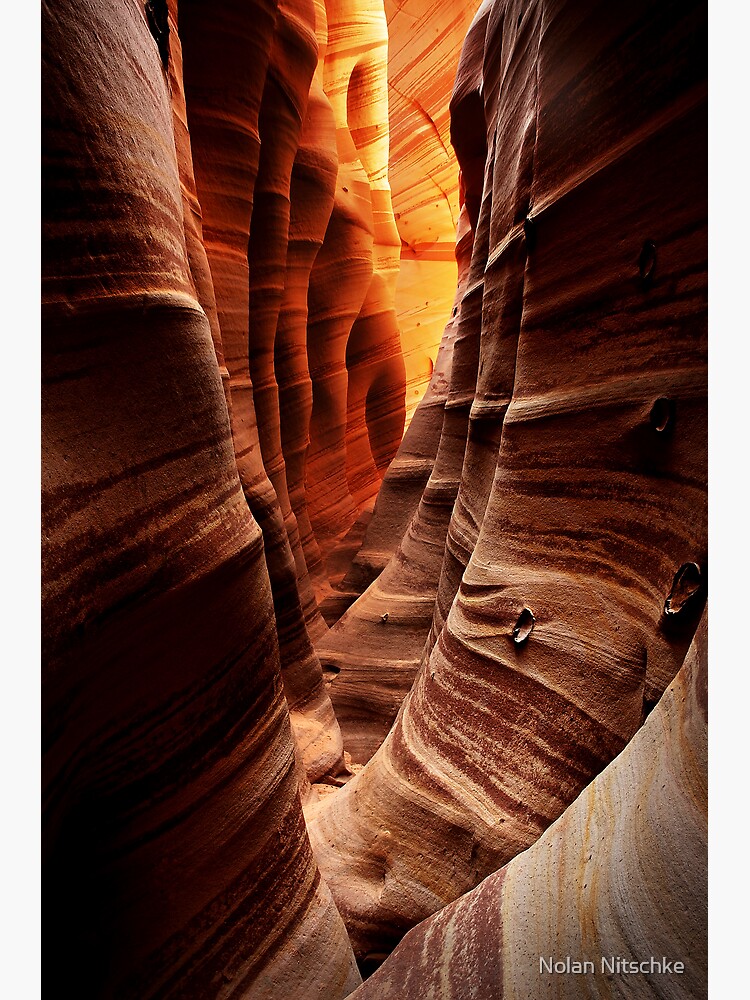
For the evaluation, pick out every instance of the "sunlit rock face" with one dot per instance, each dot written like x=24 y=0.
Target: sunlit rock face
x=232 y=100
x=374 y=667
x=617 y=883
x=424 y=42
x=574 y=566
x=374 y=650
x=171 y=805
x=425 y=39
x=374 y=420
x=356 y=361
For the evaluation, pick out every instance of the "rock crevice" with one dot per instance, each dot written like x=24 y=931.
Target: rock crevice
x=374 y=496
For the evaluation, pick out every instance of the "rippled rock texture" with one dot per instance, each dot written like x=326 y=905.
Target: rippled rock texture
x=619 y=879
x=260 y=220
x=575 y=558
x=374 y=650
x=425 y=41
x=178 y=614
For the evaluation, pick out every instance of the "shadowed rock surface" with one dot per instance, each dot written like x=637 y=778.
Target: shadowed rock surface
x=312 y=191
x=580 y=517
x=260 y=595
x=225 y=92
x=621 y=874
x=171 y=808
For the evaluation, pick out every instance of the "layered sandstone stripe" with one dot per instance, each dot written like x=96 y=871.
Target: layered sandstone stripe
x=621 y=875
x=293 y=58
x=354 y=348
x=339 y=281
x=227 y=50
x=373 y=652
x=470 y=140
x=312 y=190
x=425 y=40
x=422 y=166
x=356 y=81
x=406 y=477
x=200 y=271
x=582 y=506
x=171 y=810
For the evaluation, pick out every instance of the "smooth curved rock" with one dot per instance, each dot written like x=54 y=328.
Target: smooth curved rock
x=422 y=163
x=344 y=263
x=170 y=803
x=475 y=147
x=356 y=361
x=312 y=189
x=578 y=507
x=371 y=677
x=425 y=40
x=292 y=61
x=620 y=878
x=227 y=51
x=357 y=84
x=228 y=340
x=373 y=651
x=200 y=271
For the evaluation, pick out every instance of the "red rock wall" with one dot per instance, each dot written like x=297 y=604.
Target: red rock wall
x=356 y=360
x=425 y=39
x=296 y=291
x=312 y=191
x=424 y=45
x=601 y=883
x=245 y=206
x=575 y=558
x=232 y=100
x=170 y=800
x=374 y=650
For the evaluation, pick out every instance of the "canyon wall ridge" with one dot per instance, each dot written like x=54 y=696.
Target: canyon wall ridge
x=374 y=496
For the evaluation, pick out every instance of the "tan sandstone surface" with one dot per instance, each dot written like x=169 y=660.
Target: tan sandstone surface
x=618 y=882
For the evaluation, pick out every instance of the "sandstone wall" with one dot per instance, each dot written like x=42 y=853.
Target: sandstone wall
x=171 y=805
x=575 y=560
x=425 y=39
x=621 y=875
x=254 y=227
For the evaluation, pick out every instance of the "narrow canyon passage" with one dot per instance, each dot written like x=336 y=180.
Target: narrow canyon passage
x=374 y=497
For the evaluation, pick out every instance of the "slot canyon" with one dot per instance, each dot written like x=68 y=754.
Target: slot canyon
x=374 y=499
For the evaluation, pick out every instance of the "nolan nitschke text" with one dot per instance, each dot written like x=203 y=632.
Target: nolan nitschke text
x=616 y=965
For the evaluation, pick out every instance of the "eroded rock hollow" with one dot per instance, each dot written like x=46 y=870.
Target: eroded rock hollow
x=374 y=498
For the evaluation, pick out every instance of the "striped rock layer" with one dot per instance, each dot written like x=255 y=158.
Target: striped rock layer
x=424 y=45
x=425 y=38
x=373 y=670
x=176 y=862
x=619 y=882
x=231 y=98
x=574 y=569
x=233 y=336
x=354 y=346
x=311 y=192
x=373 y=651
